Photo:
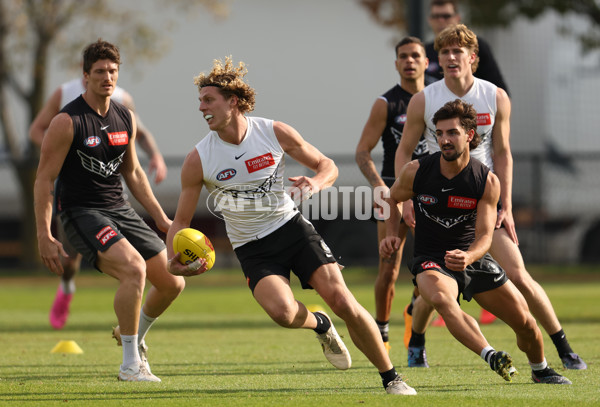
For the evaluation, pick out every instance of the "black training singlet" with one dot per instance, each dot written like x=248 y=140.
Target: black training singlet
x=397 y=100
x=446 y=209
x=90 y=176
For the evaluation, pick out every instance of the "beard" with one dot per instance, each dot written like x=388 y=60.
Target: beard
x=452 y=156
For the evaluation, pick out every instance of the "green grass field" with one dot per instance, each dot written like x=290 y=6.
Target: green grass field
x=215 y=346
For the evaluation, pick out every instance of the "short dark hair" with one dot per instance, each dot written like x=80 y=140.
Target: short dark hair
x=466 y=115
x=409 y=40
x=100 y=50
x=453 y=3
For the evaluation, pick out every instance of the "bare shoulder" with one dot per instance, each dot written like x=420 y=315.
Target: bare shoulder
x=288 y=137
x=192 y=161
x=492 y=186
x=492 y=179
x=415 y=111
x=402 y=190
x=417 y=100
x=191 y=171
x=61 y=122
x=502 y=100
x=282 y=128
x=193 y=158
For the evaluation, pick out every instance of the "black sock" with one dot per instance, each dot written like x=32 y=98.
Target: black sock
x=562 y=344
x=416 y=340
x=410 y=306
x=384 y=329
x=323 y=323
x=387 y=377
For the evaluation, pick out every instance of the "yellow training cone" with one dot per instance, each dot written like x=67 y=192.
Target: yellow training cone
x=66 y=347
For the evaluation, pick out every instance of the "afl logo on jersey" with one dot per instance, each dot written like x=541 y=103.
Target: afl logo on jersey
x=401 y=119
x=427 y=199
x=92 y=141
x=226 y=174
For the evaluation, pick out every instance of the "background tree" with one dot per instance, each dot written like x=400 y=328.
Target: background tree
x=30 y=30
x=501 y=13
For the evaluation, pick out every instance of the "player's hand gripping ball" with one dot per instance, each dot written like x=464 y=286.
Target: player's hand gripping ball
x=193 y=244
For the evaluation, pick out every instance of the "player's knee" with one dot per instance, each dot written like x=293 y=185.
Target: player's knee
x=387 y=274
x=438 y=300
x=524 y=283
x=526 y=325
x=343 y=306
x=132 y=270
x=179 y=285
x=283 y=316
x=173 y=287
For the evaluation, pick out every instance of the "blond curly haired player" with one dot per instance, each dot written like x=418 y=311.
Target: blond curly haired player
x=241 y=162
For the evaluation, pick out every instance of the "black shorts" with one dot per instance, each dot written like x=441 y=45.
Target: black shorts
x=61 y=235
x=295 y=246
x=95 y=230
x=483 y=275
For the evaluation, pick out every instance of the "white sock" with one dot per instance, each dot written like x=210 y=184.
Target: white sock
x=67 y=287
x=486 y=353
x=145 y=324
x=130 y=351
x=539 y=366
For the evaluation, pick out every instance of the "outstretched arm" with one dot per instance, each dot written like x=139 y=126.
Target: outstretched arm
x=138 y=184
x=191 y=185
x=295 y=146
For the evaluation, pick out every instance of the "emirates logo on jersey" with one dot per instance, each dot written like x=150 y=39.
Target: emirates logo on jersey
x=119 y=138
x=260 y=162
x=484 y=119
x=460 y=202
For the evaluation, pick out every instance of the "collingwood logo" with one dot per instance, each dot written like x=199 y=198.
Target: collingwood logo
x=98 y=167
x=448 y=223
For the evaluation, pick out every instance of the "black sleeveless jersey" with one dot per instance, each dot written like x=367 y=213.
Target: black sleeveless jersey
x=90 y=176
x=397 y=101
x=446 y=209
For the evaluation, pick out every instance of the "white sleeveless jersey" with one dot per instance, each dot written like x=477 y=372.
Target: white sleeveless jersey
x=71 y=90
x=245 y=182
x=482 y=96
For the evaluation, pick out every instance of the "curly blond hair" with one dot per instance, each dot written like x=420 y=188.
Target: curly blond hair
x=229 y=80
